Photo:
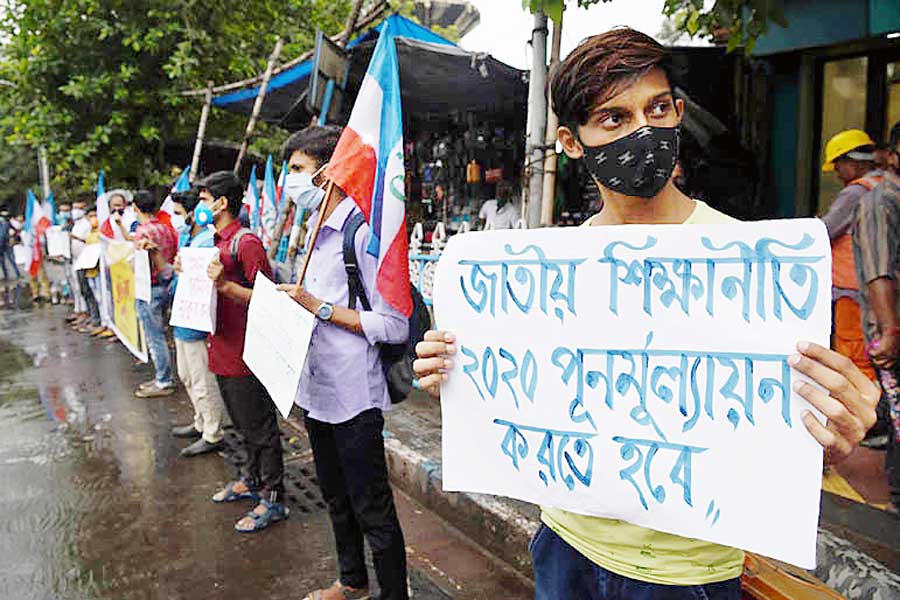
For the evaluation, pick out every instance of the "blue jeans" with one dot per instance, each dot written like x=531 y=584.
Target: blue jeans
x=560 y=571
x=152 y=317
x=6 y=254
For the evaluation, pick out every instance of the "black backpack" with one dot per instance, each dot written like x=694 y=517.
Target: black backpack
x=396 y=359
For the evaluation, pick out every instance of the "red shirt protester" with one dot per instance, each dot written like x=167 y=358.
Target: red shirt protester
x=165 y=239
x=226 y=347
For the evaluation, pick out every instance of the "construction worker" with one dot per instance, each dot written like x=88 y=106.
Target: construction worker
x=851 y=156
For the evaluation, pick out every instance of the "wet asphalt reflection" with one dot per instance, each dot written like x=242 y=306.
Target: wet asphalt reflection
x=96 y=502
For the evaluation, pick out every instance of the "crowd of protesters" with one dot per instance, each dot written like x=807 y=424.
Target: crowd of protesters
x=612 y=92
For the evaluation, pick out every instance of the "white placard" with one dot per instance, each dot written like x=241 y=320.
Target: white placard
x=142 y=284
x=277 y=341
x=89 y=257
x=640 y=373
x=194 y=304
x=22 y=254
x=58 y=243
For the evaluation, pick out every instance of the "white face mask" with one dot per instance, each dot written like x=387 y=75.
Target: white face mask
x=177 y=221
x=77 y=213
x=299 y=188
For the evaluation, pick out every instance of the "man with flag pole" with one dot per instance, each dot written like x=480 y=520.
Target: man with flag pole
x=36 y=224
x=363 y=210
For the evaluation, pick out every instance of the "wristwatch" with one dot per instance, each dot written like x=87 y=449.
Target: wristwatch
x=325 y=311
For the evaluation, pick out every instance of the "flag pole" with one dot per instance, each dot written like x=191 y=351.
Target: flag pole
x=315 y=235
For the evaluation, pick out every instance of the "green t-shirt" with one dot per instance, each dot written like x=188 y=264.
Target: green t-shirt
x=645 y=554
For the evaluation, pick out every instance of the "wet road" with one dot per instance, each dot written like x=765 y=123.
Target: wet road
x=97 y=504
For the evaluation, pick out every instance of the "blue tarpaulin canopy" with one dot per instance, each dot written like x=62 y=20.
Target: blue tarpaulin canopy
x=435 y=73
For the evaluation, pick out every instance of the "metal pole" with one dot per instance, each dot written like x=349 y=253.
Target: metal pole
x=548 y=195
x=44 y=169
x=257 y=106
x=201 y=133
x=537 y=119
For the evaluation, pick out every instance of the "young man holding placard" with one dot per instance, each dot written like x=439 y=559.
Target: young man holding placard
x=161 y=241
x=191 y=355
x=342 y=389
x=241 y=257
x=617 y=111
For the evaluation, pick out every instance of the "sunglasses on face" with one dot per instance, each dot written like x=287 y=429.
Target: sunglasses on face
x=119 y=211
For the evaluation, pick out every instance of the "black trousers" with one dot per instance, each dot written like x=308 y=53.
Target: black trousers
x=253 y=414
x=352 y=474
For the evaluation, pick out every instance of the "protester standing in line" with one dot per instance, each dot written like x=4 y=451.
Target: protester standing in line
x=191 y=355
x=161 y=241
x=876 y=248
x=6 y=244
x=92 y=278
x=343 y=391
x=241 y=257
x=79 y=307
x=81 y=229
x=850 y=155
x=613 y=95
x=115 y=226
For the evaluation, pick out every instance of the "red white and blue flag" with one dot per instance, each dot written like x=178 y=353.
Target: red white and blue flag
x=167 y=209
x=252 y=201
x=36 y=224
x=368 y=166
x=269 y=210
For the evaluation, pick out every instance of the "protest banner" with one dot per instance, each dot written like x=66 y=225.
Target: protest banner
x=118 y=273
x=89 y=257
x=640 y=373
x=142 y=284
x=194 y=305
x=277 y=341
x=58 y=243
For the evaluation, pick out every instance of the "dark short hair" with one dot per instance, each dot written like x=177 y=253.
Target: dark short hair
x=146 y=202
x=601 y=67
x=318 y=142
x=91 y=208
x=225 y=183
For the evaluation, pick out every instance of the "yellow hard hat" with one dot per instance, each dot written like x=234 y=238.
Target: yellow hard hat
x=844 y=142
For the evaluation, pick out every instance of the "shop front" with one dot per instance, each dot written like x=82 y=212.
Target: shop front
x=835 y=67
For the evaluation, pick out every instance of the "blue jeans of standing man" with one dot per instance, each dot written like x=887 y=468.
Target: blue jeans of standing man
x=152 y=316
x=560 y=571
x=6 y=254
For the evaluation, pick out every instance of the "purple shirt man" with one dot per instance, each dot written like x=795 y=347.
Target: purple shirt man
x=342 y=376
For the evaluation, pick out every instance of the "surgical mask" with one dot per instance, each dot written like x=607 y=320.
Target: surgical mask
x=64 y=215
x=203 y=216
x=77 y=213
x=639 y=164
x=177 y=221
x=301 y=190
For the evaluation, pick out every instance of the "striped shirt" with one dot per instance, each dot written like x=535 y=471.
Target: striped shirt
x=876 y=244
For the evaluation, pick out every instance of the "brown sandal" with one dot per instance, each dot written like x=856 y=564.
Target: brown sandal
x=346 y=593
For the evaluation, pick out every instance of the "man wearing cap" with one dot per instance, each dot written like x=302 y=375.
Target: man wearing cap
x=850 y=155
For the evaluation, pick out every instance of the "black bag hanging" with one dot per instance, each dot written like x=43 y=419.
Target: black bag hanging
x=396 y=359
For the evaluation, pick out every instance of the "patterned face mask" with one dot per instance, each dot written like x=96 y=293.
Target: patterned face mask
x=639 y=164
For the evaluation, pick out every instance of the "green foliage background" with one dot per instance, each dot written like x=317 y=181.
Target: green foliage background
x=98 y=82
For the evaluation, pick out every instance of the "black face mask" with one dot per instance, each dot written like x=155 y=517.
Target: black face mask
x=639 y=164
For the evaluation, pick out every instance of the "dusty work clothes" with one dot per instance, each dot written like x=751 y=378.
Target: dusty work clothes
x=203 y=390
x=848 y=335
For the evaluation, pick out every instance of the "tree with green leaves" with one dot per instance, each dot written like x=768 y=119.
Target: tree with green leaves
x=98 y=82
x=740 y=22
